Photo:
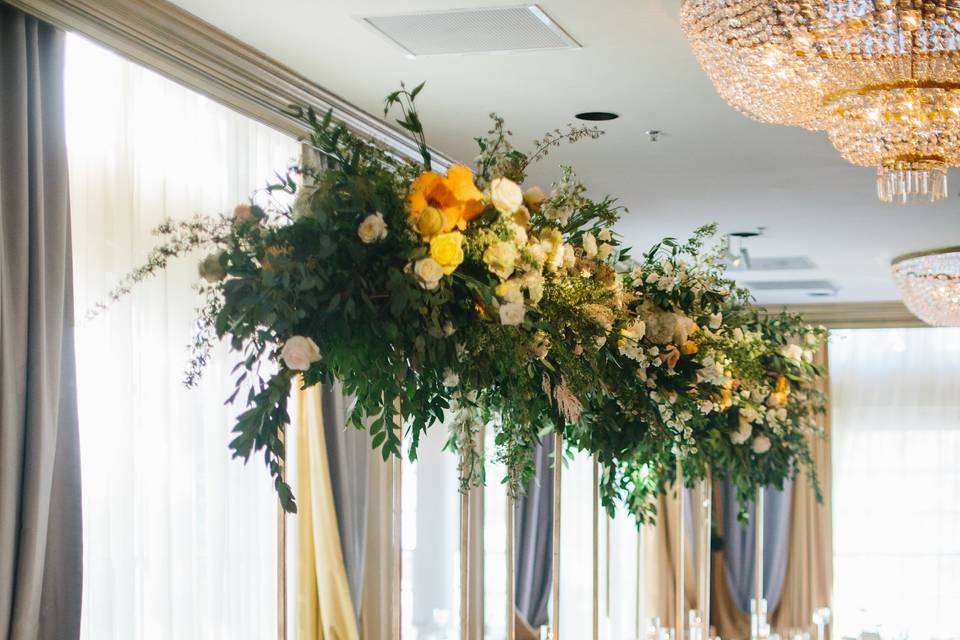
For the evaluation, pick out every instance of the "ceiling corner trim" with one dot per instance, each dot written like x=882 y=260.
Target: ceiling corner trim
x=184 y=48
x=855 y=315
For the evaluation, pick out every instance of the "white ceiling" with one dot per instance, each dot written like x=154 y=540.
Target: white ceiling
x=713 y=165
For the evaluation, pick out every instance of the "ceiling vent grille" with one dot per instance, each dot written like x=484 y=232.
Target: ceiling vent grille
x=809 y=286
x=482 y=30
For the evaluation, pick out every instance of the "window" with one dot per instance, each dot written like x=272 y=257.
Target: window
x=896 y=481
x=179 y=540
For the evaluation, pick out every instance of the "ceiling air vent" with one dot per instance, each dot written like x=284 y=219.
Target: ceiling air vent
x=480 y=30
x=809 y=287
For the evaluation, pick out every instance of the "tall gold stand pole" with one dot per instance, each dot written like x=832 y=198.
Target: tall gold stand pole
x=282 y=563
x=511 y=572
x=703 y=575
x=757 y=619
x=397 y=544
x=679 y=612
x=557 y=472
x=596 y=548
x=465 y=564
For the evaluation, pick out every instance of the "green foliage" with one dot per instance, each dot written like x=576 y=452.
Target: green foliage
x=430 y=300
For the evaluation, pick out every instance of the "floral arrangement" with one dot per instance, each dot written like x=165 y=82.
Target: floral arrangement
x=431 y=294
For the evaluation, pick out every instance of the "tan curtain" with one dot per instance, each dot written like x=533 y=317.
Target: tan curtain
x=659 y=560
x=375 y=612
x=809 y=580
x=325 y=609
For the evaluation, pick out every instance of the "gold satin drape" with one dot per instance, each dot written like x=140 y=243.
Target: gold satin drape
x=659 y=559
x=324 y=606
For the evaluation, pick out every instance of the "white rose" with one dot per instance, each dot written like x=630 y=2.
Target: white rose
x=373 y=228
x=505 y=195
x=519 y=234
x=810 y=339
x=512 y=314
x=716 y=320
x=743 y=433
x=450 y=378
x=299 y=352
x=534 y=197
x=537 y=253
x=211 y=269
x=246 y=213
x=634 y=331
x=761 y=444
x=605 y=235
x=428 y=272
x=807 y=355
x=792 y=351
x=501 y=258
x=589 y=245
x=534 y=282
x=737 y=334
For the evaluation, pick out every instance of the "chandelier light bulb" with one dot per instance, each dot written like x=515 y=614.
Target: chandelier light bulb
x=881 y=78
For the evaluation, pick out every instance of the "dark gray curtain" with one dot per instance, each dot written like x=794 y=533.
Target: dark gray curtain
x=40 y=538
x=347 y=455
x=739 y=545
x=533 y=540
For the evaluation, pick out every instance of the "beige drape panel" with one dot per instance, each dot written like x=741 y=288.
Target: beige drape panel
x=659 y=558
x=325 y=608
x=375 y=619
x=809 y=579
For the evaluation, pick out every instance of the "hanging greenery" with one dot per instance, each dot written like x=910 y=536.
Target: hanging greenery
x=428 y=294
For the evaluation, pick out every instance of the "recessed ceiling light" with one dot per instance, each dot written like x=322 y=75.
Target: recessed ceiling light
x=597 y=116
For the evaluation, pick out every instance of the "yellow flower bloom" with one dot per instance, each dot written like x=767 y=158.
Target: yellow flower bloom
x=447 y=250
x=455 y=196
x=689 y=348
x=429 y=222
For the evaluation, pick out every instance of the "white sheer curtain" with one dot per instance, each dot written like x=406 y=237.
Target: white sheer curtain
x=179 y=540
x=896 y=481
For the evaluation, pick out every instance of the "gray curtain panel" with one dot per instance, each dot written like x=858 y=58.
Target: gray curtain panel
x=533 y=540
x=40 y=536
x=739 y=545
x=348 y=459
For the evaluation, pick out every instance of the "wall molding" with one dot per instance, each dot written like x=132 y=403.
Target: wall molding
x=855 y=315
x=184 y=48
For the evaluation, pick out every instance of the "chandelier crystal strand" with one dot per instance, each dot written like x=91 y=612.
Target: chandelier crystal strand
x=880 y=77
x=930 y=285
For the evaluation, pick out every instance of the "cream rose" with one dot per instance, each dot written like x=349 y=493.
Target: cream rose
x=428 y=272
x=589 y=245
x=793 y=351
x=501 y=258
x=743 y=433
x=634 y=331
x=716 y=320
x=512 y=314
x=372 y=229
x=450 y=378
x=299 y=352
x=534 y=197
x=605 y=251
x=761 y=444
x=506 y=195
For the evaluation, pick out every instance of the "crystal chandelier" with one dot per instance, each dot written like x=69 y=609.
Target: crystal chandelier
x=881 y=77
x=930 y=285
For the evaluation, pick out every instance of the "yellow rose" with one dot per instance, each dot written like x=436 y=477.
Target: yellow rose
x=429 y=222
x=447 y=250
x=689 y=348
